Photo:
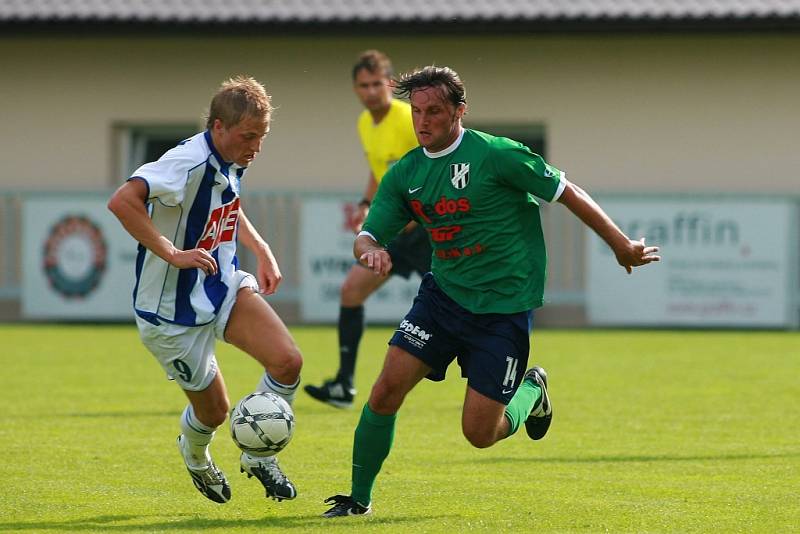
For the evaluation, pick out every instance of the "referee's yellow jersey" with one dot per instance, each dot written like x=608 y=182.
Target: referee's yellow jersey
x=389 y=140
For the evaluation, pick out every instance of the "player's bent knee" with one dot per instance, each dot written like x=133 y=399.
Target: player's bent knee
x=480 y=438
x=286 y=367
x=385 y=399
x=222 y=413
x=214 y=416
x=294 y=363
x=218 y=420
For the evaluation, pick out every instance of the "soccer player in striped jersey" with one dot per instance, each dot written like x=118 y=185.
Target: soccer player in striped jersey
x=386 y=134
x=476 y=195
x=186 y=214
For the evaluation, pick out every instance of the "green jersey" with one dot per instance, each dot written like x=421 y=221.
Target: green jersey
x=476 y=200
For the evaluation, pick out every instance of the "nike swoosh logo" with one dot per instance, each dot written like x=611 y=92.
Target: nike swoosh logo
x=412 y=191
x=507 y=391
x=217 y=183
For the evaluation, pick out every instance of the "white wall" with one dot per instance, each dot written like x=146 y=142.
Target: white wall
x=662 y=113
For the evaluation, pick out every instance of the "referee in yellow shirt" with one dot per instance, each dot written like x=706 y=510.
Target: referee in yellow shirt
x=386 y=134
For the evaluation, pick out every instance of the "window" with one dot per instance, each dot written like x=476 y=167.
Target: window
x=136 y=144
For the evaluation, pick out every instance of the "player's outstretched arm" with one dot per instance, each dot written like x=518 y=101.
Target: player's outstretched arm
x=371 y=255
x=269 y=274
x=128 y=204
x=630 y=253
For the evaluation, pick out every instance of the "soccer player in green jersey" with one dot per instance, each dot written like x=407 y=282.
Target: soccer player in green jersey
x=476 y=195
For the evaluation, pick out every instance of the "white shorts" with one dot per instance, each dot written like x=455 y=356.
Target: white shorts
x=187 y=352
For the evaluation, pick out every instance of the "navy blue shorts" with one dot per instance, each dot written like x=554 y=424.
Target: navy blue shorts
x=491 y=348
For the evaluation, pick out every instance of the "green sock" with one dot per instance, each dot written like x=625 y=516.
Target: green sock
x=523 y=401
x=371 y=445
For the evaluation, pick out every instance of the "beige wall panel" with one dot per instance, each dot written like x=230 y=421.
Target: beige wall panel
x=663 y=113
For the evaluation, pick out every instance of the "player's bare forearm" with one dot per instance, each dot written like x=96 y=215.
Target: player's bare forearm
x=364 y=244
x=587 y=210
x=629 y=253
x=128 y=204
x=251 y=239
x=269 y=274
x=371 y=255
x=249 y=236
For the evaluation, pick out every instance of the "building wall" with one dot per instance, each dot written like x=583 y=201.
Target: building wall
x=628 y=112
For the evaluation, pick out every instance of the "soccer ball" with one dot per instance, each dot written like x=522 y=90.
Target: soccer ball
x=262 y=424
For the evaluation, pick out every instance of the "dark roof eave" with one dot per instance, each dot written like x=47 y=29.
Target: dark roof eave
x=97 y=27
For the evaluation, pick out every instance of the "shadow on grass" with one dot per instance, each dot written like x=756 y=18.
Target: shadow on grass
x=117 y=414
x=105 y=523
x=100 y=415
x=635 y=458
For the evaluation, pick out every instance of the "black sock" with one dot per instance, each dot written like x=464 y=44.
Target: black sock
x=351 y=327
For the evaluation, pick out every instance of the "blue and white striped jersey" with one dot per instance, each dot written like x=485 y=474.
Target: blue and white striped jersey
x=193 y=197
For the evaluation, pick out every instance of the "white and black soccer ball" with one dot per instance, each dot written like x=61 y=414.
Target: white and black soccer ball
x=262 y=424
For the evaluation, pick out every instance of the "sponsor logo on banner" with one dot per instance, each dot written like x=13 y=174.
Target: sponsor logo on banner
x=726 y=262
x=74 y=256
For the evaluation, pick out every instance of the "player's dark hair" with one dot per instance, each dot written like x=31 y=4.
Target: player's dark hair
x=375 y=62
x=238 y=98
x=444 y=78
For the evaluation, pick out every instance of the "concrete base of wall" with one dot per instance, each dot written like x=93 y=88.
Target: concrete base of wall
x=552 y=316
x=549 y=316
x=560 y=316
x=10 y=310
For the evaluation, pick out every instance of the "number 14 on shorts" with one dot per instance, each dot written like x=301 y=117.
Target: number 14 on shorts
x=511 y=372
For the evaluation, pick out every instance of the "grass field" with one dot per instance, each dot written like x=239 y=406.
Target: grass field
x=654 y=431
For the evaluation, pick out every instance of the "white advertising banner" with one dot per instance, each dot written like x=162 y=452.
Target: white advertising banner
x=78 y=261
x=725 y=263
x=326 y=255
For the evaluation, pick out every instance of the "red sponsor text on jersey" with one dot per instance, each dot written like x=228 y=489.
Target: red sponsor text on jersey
x=444 y=206
x=444 y=233
x=453 y=253
x=221 y=226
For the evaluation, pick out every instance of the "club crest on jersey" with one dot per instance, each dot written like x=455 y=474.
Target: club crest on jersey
x=459 y=175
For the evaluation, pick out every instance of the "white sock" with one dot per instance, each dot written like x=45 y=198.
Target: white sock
x=196 y=437
x=267 y=383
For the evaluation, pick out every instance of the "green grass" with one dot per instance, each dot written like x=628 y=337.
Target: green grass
x=653 y=432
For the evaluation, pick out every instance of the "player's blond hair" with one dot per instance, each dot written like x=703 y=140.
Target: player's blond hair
x=238 y=98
